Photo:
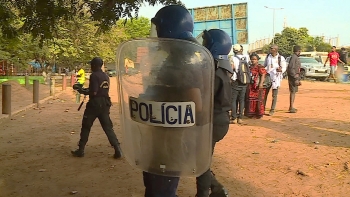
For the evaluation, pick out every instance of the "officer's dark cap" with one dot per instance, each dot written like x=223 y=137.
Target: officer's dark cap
x=96 y=61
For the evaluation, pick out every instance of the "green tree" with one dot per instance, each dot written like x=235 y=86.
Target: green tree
x=4 y=54
x=136 y=28
x=40 y=17
x=313 y=42
x=74 y=42
x=23 y=49
x=324 y=47
x=290 y=37
x=8 y=17
x=68 y=32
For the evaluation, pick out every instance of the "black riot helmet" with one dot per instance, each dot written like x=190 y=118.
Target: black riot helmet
x=219 y=43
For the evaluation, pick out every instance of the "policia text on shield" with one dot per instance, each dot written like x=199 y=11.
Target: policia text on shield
x=167 y=114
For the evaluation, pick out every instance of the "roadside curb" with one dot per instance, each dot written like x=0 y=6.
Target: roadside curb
x=4 y=117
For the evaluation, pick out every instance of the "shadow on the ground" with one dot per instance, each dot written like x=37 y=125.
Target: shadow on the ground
x=309 y=130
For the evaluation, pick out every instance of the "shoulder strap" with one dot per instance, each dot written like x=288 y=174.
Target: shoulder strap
x=243 y=58
x=265 y=62
x=279 y=60
x=238 y=66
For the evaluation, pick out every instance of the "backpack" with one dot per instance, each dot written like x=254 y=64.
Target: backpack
x=267 y=82
x=243 y=74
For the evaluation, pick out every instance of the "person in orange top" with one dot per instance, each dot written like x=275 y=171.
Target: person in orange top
x=333 y=58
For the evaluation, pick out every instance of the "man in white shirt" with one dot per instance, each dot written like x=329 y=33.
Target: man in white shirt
x=275 y=65
x=238 y=89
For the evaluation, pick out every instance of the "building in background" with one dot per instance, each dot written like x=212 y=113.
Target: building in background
x=232 y=18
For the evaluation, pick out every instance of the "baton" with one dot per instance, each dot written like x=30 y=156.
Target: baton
x=81 y=104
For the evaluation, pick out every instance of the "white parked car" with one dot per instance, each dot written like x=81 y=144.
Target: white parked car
x=311 y=68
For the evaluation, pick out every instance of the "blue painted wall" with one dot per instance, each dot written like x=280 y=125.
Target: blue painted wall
x=235 y=24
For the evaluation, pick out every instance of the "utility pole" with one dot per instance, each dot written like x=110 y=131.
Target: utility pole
x=273 y=22
x=285 y=23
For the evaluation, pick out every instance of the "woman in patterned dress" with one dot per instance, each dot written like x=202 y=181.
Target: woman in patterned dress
x=256 y=91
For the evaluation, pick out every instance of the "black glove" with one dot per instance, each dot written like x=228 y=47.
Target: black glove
x=77 y=86
x=84 y=91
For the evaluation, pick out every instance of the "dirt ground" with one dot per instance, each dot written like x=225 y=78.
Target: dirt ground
x=304 y=154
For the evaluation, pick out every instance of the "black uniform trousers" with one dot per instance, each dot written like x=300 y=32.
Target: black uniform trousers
x=97 y=107
x=207 y=179
x=160 y=186
x=164 y=186
x=238 y=99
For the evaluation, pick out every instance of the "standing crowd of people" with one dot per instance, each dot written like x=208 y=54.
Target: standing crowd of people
x=252 y=82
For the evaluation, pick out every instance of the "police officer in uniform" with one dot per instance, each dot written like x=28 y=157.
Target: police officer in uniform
x=219 y=44
x=166 y=109
x=98 y=107
x=176 y=22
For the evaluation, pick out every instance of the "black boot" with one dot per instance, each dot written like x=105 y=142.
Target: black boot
x=203 y=184
x=78 y=153
x=219 y=192
x=118 y=152
x=217 y=189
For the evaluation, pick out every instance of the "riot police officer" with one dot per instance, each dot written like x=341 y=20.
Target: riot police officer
x=171 y=22
x=219 y=44
x=98 y=106
x=166 y=106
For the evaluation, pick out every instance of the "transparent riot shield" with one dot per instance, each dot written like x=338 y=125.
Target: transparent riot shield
x=166 y=99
